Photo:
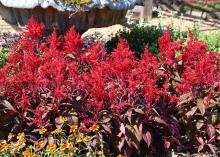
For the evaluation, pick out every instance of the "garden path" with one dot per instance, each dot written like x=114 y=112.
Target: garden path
x=180 y=22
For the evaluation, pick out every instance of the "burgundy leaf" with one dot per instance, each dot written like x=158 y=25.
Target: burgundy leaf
x=166 y=144
x=212 y=148
x=160 y=121
x=201 y=106
x=121 y=143
x=122 y=128
x=147 y=138
x=200 y=147
x=211 y=131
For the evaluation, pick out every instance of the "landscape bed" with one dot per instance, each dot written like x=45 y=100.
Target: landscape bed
x=62 y=98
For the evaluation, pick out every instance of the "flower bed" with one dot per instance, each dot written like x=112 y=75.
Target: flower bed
x=139 y=107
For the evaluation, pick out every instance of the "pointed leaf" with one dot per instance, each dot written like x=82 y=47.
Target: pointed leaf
x=199 y=124
x=121 y=143
x=185 y=98
x=200 y=140
x=107 y=128
x=212 y=148
x=78 y=98
x=191 y=112
x=137 y=110
x=147 y=138
x=201 y=106
x=8 y=105
x=159 y=120
x=211 y=131
x=200 y=147
x=122 y=128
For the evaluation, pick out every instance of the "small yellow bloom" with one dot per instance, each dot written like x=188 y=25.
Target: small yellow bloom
x=119 y=155
x=100 y=152
x=20 y=143
x=73 y=128
x=64 y=119
x=2 y=142
x=64 y=146
x=42 y=131
x=20 y=135
x=27 y=153
x=39 y=144
x=51 y=148
x=4 y=147
x=57 y=131
x=10 y=136
x=94 y=128
x=74 y=149
x=87 y=139
x=79 y=137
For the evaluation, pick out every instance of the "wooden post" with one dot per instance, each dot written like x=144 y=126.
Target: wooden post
x=146 y=11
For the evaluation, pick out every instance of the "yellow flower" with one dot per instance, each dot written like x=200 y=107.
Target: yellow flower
x=20 y=135
x=79 y=137
x=42 y=131
x=57 y=131
x=27 y=153
x=119 y=155
x=10 y=136
x=64 y=146
x=64 y=119
x=100 y=152
x=39 y=144
x=94 y=128
x=51 y=148
x=20 y=143
x=4 y=147
x=87 y=139
x=74 y=149
x=73 y=128
x=2 y=142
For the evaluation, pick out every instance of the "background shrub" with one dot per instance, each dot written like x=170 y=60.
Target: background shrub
x=3 y=56
x=137 y=37
x=212 y=40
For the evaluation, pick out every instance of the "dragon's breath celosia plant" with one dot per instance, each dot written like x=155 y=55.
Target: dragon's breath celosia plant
x=139 y=106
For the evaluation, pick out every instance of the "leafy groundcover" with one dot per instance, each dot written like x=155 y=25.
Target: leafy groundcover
x=59 y=98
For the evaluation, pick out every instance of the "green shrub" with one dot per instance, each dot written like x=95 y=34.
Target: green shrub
x=3 y=56
x=212 y=40
x=138 y=37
